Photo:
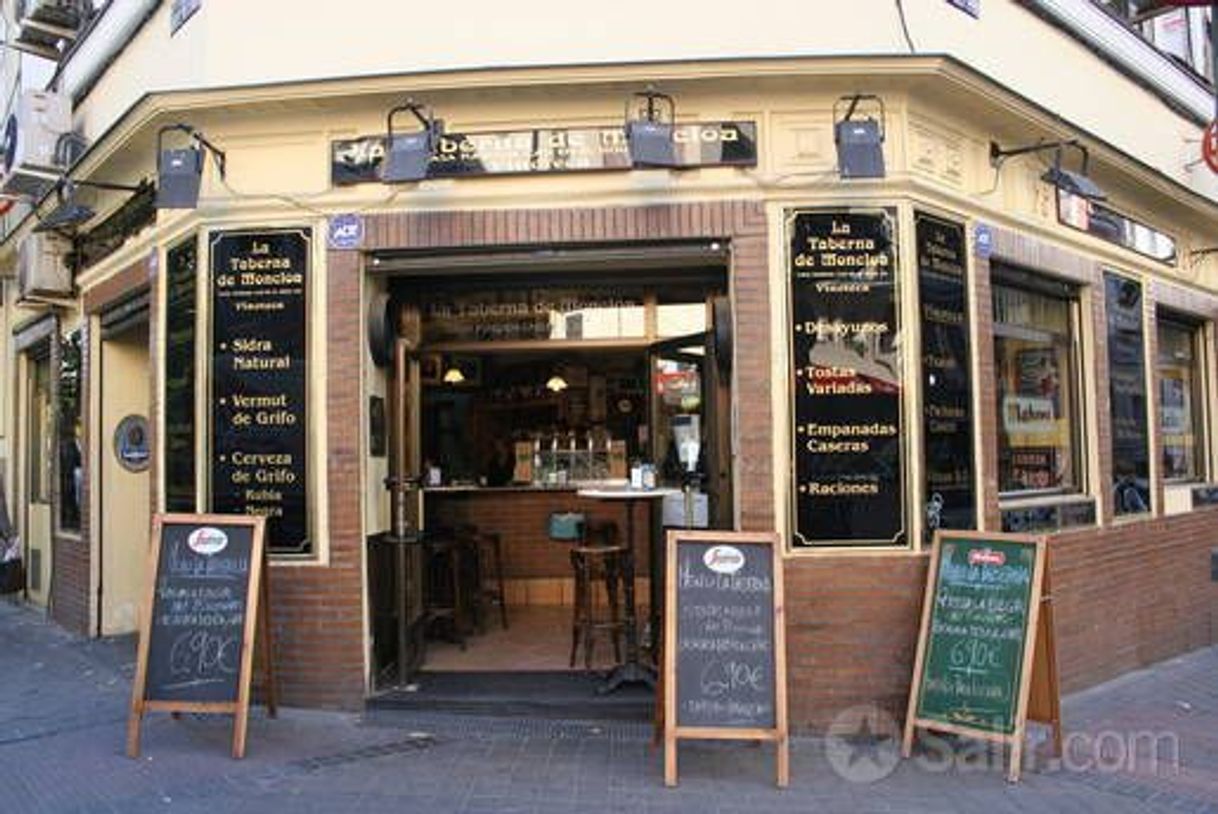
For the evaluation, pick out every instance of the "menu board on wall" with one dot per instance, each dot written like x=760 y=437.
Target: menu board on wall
x=947 y=394
x=1127 y=395
x=259 y=381
x=845 y=379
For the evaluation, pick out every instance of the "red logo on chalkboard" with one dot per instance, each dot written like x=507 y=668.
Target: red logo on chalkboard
x=986 y=556
x=207 y=541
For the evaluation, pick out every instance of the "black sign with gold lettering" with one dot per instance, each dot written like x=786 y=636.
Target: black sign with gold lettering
x=947 y=396
x=259 y=381
x=546 y=150
x=846 y=379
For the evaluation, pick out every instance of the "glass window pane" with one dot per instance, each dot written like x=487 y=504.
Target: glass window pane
x=1179 y=401
x=180 y=308
x=42 y=453
x=1037 y=403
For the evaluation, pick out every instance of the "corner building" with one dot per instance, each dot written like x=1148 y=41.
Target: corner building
x=971 y=335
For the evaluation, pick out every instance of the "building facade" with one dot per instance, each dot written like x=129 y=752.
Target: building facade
x=906 y=269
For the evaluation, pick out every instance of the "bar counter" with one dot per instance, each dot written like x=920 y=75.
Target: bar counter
x=536 y=569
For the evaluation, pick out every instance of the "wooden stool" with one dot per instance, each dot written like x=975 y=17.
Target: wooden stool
x=488 y=562
x=445 y=597
x=593 y=563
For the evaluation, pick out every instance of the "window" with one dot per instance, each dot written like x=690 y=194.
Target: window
x=71 y=447
x=1127 y=397
x=1181 y=424
x=41 y=451
x=180 y=307
x=1179 y=33
x=1039 y=417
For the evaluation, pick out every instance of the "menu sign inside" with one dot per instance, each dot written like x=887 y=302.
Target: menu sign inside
x=1127 y=395
x=545 y=150
x=846 y=379
x=259 y=381
x=947 y=390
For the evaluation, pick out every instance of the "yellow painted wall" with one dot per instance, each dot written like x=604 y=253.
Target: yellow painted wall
x=228 y=44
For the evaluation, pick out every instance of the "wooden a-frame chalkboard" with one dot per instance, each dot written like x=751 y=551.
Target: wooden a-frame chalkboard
x=724 y=671
x=200 y=621
x=986 y=659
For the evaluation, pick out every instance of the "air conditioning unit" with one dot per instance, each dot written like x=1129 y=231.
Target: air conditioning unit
x=42 y=269
x=46 y=27
x=31 y=134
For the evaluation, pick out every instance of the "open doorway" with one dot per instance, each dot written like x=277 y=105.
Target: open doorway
x=540 y=399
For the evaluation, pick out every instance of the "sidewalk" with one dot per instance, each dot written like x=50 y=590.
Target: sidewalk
x=1147 y=742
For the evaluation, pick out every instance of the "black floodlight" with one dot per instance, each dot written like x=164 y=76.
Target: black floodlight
x=1075 y=183
x=180 y=170
x=69 y=214
x=650 y=137
x=408 y=155
x=859 y=142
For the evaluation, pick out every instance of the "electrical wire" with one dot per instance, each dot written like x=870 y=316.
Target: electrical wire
x=905 y=27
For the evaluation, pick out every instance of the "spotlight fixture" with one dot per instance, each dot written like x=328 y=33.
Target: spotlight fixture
x=859 y=142
x=180 y=170
x=407 y=155
x=650 y=137
x=1075 y=183
x=71 y=212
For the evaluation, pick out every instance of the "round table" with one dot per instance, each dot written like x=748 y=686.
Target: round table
x=633 y=670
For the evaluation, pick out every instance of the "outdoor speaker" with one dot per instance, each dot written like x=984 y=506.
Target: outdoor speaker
x=407 y=156
x=651 y=143
x=859 y=148
x=177 y=178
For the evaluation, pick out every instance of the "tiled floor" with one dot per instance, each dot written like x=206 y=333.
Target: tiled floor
x=538 y=638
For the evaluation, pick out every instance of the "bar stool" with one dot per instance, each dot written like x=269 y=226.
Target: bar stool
x=488 y=563
x=600 y=561
x=445 y=598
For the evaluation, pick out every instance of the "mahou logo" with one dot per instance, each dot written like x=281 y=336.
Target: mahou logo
x=724 y=559
x=207 y=541
x=986 y=556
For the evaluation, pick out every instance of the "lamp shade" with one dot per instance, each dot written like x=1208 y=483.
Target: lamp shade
x=651 y=143
x=860 y=152
x=407 y=156
x=556 y=384
x=453 y=375
x=177 y=178
x=1074 y=183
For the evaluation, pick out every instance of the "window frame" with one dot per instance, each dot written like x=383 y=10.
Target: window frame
x=1045 y=285
x=57 y=393
x=1197 y=329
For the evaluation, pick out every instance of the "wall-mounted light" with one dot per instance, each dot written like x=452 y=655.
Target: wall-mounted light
x=859 y=141
x=648 y=133
x=71 y=212
x=1076 y=183
x=180 y=170
x=408 y=154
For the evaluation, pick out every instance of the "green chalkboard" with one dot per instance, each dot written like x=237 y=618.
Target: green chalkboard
x=981 y=593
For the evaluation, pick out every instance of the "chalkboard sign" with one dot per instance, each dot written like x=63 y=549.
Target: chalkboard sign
x=198 y=629
x=980 y=630
x=260 y=382
x=725 y=657
x=846 y=385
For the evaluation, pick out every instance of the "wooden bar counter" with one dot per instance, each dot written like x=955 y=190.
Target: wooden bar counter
x=536 y=569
